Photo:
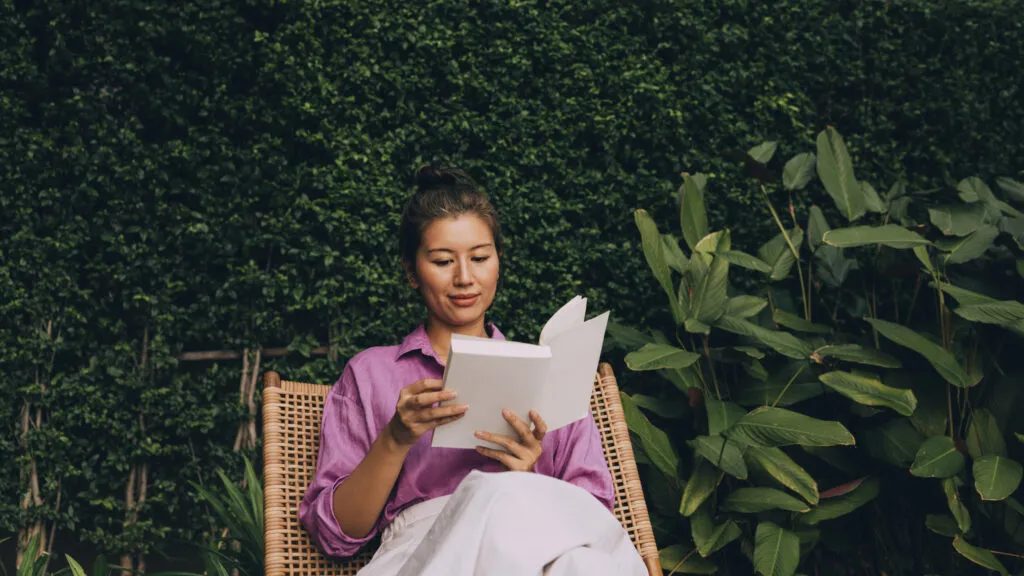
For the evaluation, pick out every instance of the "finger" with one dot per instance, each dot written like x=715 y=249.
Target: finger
x=504 y=457
x=540 y=428
x=425 y=399
x=431 y=414
x=424 y=385
x=521 y=427
x=505 y=442
x=445 y=420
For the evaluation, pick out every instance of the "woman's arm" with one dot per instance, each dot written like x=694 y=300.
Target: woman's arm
x=359 y=500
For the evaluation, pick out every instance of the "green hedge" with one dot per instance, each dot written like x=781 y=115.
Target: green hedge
x=231 y=175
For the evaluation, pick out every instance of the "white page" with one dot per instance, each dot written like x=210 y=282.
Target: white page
x=508 y=375
x=570 y=381
x=566 y=318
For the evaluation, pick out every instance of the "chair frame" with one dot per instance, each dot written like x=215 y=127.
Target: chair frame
x=292 y=413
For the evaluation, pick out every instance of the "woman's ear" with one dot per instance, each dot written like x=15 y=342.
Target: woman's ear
x=410 y=275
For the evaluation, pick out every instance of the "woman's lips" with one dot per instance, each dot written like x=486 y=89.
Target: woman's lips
x=464 y=301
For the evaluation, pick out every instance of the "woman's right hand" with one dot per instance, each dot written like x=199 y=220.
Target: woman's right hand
x=415 y=412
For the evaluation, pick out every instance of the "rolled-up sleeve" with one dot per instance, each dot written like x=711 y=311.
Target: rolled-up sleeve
x=345 y=439
x=579 y=459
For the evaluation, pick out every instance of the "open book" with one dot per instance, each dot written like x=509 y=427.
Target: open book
x=554 y=377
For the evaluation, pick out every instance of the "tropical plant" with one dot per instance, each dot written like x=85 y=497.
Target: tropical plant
x=874 y=357
x=238 y=511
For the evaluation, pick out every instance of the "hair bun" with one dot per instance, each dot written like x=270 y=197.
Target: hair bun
x=431 y=175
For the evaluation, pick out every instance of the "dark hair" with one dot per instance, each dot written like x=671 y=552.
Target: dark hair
x=442 y=193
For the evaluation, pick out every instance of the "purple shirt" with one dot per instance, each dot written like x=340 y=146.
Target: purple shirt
x=363 y=401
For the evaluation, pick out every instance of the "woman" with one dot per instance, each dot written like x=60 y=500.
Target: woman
x=445 y=511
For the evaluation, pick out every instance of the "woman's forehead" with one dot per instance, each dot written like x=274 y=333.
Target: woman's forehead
x=464 y=233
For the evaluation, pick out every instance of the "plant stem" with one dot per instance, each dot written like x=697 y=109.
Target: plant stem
x=793 y=249
x=681 y=562
x=711 y=365
x=788 y=384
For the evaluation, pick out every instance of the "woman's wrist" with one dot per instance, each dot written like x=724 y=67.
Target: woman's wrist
x=390 y=444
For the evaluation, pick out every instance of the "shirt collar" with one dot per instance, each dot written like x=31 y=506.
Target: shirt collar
x=417 y=340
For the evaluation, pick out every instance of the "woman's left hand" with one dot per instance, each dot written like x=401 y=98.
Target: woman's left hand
x=521 y=454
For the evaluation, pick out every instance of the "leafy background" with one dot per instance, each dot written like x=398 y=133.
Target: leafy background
x=231 y=174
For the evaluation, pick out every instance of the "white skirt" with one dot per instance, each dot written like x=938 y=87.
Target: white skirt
x=514 y=523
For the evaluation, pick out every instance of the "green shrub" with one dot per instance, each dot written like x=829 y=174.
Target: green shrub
x=872 y=359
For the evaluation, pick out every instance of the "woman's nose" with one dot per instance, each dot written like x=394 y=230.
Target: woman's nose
x=462 y=275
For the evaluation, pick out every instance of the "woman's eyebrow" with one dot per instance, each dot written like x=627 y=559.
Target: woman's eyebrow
x=478 y=246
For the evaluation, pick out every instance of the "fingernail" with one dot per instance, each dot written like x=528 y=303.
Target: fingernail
x=449 y=395
x=478 y=434
x=506 y=412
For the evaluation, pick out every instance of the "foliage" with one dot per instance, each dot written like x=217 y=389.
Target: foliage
x=870 y=357
x=221 y=175
x=238 y=510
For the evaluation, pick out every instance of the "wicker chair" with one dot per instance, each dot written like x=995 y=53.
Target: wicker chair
x=291 y=435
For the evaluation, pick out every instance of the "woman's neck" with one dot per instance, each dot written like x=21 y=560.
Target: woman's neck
x=440 y=335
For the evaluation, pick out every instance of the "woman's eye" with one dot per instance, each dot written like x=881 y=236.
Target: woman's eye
x=442 y=262
x=481 y=258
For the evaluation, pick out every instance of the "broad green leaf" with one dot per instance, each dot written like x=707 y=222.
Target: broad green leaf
x=693 y=217
x=782 y=342
x=835 y=170
x=1014 y=227
x=654 y=442
x=1020 y=268
x=895 y=442
x=785 y=387
x=708 y=536
x=770 y=427
x=654 y=253
x=926 y=260
x=763 y=152
x=777 y=253
x=794 y=322
x=744 y=260
x=776 y=550
x=722 y=415
x=754 y=500
x=784 y=470
x=666 y=408
x=890 y=235
x=798 y=171
x=832 y=267
x=744 y=306
x=828 y=509
x=958 y=220
x=657 y=356
x=1000 y=312
x=709 y=295
x=726 y=456
x=750 y=351
x=701 y=484
x=956 y=506
x=871 y=199
x=979 y=556
x=627 y=338
x=681 y=560
x=1020 y=437
x=816 y=228
x=1013 y=188
x=996 y=477
x=870 y=392
x=965 y=249
x=984 y=438
x=942 y=525
x=943 y=361
x=859 y=354
x=937 y=458
x=674 y=256
x=694 y=326
x=963 y=296
x=974 y=189
x=75 y=567
x=714 y=242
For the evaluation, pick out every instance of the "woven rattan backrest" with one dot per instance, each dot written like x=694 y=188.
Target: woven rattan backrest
x=291 y=434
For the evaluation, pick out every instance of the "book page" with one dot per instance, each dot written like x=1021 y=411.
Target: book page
x=566 y=318
x=505 y=375
x=570 y=380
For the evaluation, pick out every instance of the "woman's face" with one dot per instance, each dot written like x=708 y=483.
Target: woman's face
x=457 y=270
